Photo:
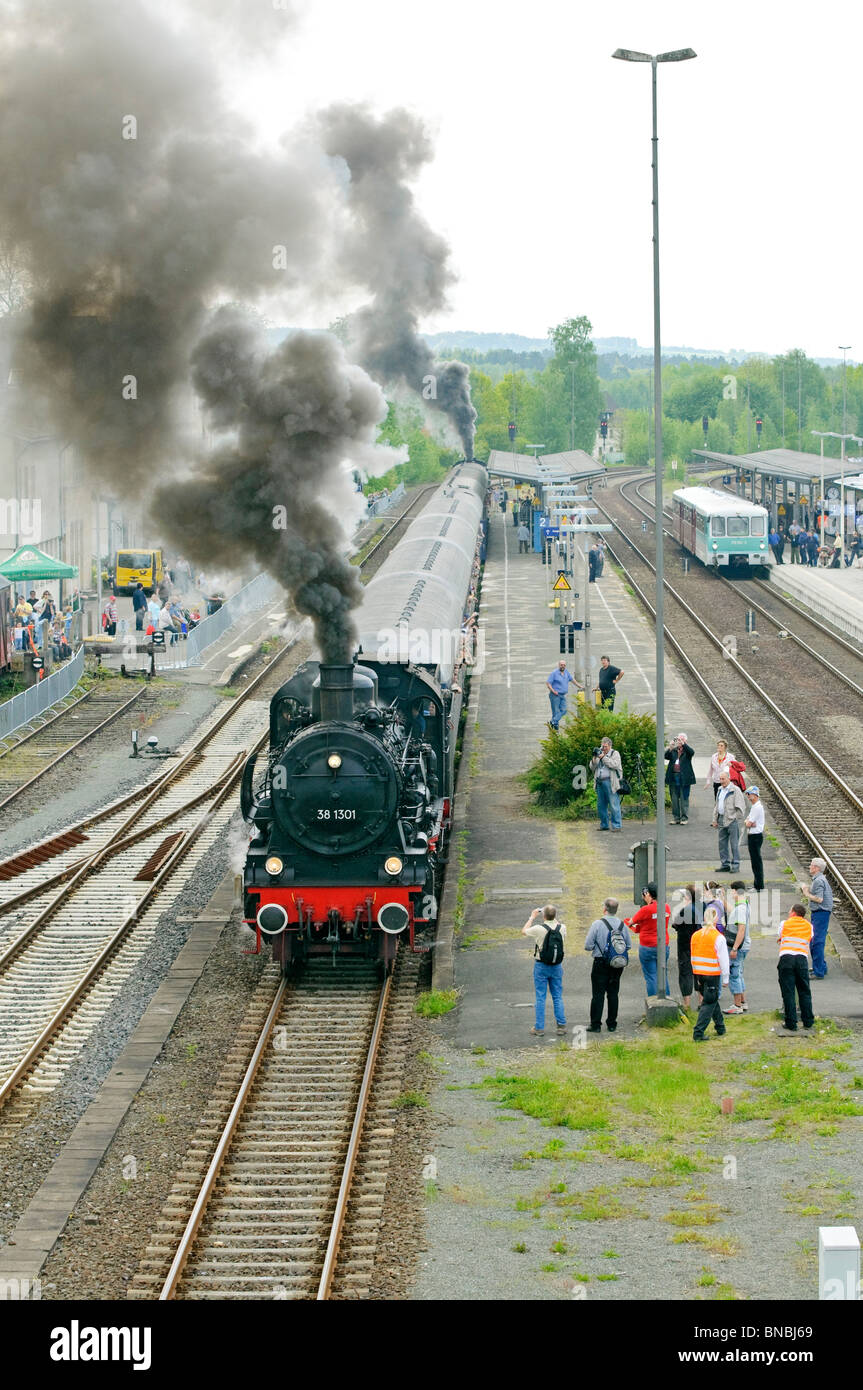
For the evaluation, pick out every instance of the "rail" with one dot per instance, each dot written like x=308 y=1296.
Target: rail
x=29 y=704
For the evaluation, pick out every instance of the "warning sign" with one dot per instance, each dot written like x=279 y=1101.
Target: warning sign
x=561 y=583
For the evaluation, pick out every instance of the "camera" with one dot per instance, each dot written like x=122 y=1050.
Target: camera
x=597 y=752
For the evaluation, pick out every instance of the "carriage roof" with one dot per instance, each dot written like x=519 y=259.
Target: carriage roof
x=709 y=501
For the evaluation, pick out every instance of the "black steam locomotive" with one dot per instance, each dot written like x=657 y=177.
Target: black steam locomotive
x=352 y=815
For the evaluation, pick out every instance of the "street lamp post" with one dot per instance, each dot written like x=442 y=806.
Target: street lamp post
x=676 y=56
x=843 y=349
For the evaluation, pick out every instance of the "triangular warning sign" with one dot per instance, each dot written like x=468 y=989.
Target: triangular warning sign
x=561 y=583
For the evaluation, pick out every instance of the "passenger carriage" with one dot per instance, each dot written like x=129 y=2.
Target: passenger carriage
x=720 y=529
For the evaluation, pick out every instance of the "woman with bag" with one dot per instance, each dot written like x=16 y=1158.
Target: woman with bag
x=719 y=763
x=680 y=777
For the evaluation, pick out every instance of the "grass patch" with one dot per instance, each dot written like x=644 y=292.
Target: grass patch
x=606 y=1278
x=563 y=1098
x=596 y=1204
x=520 y=1248
x=708 y=1215
x=792 y=1097
x=611 y=1255
x=409 y=1100
x=435 y=1002
x=707 y=1279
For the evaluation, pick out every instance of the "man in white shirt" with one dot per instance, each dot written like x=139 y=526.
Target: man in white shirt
x=755 y=835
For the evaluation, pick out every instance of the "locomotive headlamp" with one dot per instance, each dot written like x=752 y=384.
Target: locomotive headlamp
x=334 y=761
x=274 y=865
x=393 y=865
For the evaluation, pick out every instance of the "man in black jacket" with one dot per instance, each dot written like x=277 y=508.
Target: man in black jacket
x=139 y=603
x=679 y=776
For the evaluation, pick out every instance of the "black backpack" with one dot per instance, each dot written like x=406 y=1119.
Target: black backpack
x=551 y=950
x=616 y=951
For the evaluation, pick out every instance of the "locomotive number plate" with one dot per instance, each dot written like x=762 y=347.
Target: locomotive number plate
x=340 y=813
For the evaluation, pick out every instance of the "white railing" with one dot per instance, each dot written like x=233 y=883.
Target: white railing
x=21 y=709
x=250 y=599
x=383 y=504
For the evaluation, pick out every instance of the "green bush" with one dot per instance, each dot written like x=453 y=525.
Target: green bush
x=551 y=776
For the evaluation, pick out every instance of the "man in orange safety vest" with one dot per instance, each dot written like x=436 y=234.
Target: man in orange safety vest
x=710 y=967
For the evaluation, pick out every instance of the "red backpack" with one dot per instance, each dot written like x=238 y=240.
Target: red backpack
x=736 y=770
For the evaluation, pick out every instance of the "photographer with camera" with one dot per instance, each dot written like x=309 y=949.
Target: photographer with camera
x=607 y=771
x=680 y=777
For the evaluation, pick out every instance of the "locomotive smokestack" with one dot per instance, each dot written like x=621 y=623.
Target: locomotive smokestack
x=337 y=692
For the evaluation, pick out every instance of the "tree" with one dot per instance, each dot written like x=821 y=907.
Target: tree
x=693 y=397
x=574 y=362
x=15 y=283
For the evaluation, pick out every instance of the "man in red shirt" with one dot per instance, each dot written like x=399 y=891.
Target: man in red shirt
x=644 y=923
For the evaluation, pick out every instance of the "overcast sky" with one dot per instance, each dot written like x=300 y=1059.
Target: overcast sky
x=541 y=180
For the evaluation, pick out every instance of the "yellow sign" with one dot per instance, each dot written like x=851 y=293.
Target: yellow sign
x=561 y=583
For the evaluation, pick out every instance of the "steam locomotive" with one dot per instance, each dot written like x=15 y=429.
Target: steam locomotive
x=352 y=815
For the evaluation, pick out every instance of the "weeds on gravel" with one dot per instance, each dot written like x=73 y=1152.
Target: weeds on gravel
x=435 y=1002
x=792 y=1096
x=411 y=1099
x=563 y=1098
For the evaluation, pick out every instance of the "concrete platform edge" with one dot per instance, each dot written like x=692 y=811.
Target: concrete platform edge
x=443 y=970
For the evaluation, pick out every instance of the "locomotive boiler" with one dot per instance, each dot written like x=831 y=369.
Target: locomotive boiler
x=351 y=816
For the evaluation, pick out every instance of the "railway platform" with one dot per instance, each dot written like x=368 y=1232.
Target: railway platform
x=835 y=595
x=510 y=859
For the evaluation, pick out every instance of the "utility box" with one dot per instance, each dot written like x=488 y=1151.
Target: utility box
x=838 y=1263
x=642 y=859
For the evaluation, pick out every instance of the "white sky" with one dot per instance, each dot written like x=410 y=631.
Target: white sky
x=541 y=180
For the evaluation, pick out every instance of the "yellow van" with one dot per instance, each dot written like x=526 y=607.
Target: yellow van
x=133 y=567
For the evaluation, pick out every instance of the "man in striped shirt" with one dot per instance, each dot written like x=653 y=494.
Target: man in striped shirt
x=794 y=937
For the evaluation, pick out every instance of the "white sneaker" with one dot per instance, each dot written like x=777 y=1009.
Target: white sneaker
x=734 y=1009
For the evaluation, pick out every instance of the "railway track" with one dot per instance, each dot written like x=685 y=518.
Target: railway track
x=832 y=647
x=282 y=1191
x=97 y=891
x=769 y=733
x=39 y=752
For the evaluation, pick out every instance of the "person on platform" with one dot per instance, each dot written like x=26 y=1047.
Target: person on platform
x=139 y=604
x=604 y=977
x=812 y=550
x=609 y=677
x=592 y=563
x=523 y=535
x=548 y=937
x=710 y=971
x=680 y=778
x=793 y=969
x=720 y=762
x=794 y=532
x=754 y=824
x=558 y=684
x=739 y=943
x=643 y=923
x=110 y=617
x=820 y=896
x=607 y=771
x=777 y=545
x=600 y=558
x=728 y=816
x=686 y=919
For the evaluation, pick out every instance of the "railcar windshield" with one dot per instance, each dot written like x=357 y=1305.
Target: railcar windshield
x=738 y=526
x=717 y=526
x=759 y=526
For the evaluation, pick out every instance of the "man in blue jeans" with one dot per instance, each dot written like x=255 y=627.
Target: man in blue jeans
x=558 y=684
x=607 y=771
x=820 y=896
x=546 y=977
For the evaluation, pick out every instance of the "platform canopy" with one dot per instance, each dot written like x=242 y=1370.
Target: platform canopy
x=29 y=562
x=548 y=468
x=790 y=464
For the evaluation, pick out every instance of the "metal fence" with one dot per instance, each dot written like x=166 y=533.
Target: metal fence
x=22 y=708
x=250 y=599
x=383 y=504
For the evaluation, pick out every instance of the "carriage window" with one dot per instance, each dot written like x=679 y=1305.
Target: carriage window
x=759 y=526
x=738 y=526
x=717 y=526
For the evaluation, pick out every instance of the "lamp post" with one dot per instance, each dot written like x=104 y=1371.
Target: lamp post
x=843 y=349
x=678 y=55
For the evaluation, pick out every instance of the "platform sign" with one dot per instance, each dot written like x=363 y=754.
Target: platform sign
x=561 y=583
x=726 y=478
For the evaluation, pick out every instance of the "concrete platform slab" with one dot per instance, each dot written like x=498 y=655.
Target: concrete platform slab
x=835 y=595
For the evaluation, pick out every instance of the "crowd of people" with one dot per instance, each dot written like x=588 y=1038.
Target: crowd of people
x=806 y=547
x=712 y=925
x=39 y=622
x=154 y=613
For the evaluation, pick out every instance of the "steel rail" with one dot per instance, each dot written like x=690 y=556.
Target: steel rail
x=187 y=1239
x=58 y=714
x=809 y=834
x=115 y=714
x=335 y=1237
x=177 y=854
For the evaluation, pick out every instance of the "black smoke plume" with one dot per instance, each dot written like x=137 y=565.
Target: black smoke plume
x=279 y=488
x=400 y=258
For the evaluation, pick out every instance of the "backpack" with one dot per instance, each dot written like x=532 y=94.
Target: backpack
x=736 y=770
x=616 y=952
x=551 y=950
